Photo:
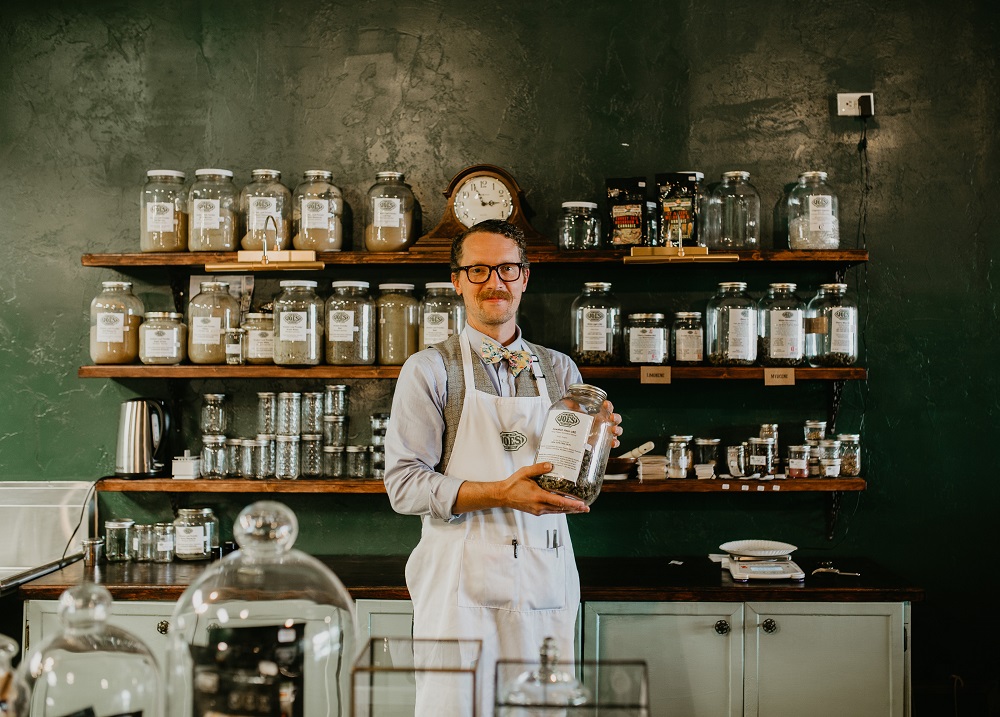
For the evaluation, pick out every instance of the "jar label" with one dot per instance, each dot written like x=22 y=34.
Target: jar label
x=564 y=442
x=435 y=327
x=260 y=209
x=647 y=345
x=206 y=330
x=165 y=545
x=260 y=344
x=787 y=333
x=843 y=330
x=160 y=217
x=190 y=540
x=596 y=331
x=821 y=217
x=798 y=464
x=340 y=326
x=294 y=326
x=161 y=343
x=742 y=341
x=388 y=212
x=206 y=214
x=689 y=345
x=315 y=213
x=758 y=460
x=110 y=327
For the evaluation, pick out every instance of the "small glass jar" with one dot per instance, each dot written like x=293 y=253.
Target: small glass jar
x=687 y=340
x=441 y=314
x=580 y=226
x=286 y=457
x=646 y=339
x=234 y=457
x=335 y=399
x=734 y=213
x=335 y=430
x=236 y=347
x=389 y=224
x=356 y=462
x=350 y=325
x=828 y=448
x=814 y=469
x=761 y=458
x=213 y=413
x=850 y=454
x=731 y=326
x=688 y=442
x=814 y=430
x=317 y=208
x=333 y=461
x=211 y=313
x=266 y=211
x=163 y=542
x=298 y=325
x=312 y=413
x=213 y=456
x=770 y=430
x=380 y=423
x=398 y=324
x=678 y=463
x=813 y=221
x=193 y=534
x=213 y=203
x=163 y=218
x=706 y=452
x=832 y=327
x=576 y=440
x=310 y=456
x=781 y=327
x=288 y=421
x=798 y=461
x=118 y=540
x=115 y=316
x=596 y=323
x=829 y=467
x=269 y=440
x=163 y=339
x=266 y=412
x=377 y=470
x=736 y=460
x=259 y=329
x=142 y=543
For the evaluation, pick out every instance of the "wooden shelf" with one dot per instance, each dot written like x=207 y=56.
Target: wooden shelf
x=795 y=485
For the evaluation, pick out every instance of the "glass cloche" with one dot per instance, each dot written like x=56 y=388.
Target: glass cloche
x=547 y=686
x=267 y=630
x=91 y=668
x=13 y=691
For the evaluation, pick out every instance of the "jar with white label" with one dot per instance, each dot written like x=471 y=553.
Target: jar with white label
x=761 y=456
x=213 y=204
x=163 y=218
x=163 y=542
x=389 y=214
x=798 y=461
x=813 y=221
x=211 y=313
x=236 y=347
x=298 y=325
x=350 y=325
x=142 y=543
x=832 y=327
x=259 y=329
x=317 y=208
x=115 y=316
x=442 y=313
x=580 y=226
x=646 y=339
x=193 y=534
x=163 y=338
x=576 y=439
x=687 y=340
x=596 y=325
x=781 y=327
x=731 y=326
x=398 y=323
x=266 y=211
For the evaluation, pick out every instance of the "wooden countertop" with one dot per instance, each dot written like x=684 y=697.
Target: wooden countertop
x=695 y=579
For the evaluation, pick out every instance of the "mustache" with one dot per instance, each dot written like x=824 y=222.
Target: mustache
x=495 y=294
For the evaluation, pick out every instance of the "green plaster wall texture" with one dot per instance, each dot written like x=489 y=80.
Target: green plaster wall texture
x=564 y=94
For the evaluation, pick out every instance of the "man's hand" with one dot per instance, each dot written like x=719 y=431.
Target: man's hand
x=617 y=430
x=519 y=492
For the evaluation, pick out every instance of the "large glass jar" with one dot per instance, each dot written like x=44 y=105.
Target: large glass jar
x=832 y=327
x=646 y=339
x=731 y=326
x=350 y=325
x=266 y=630
x=580 y=226
x=115 y=316
x=687 y=340
x=163 y=217
x=389 y=214
x=213 y=203
x=266 y=211
x=813 y=221
x=734 y=213
x=597 y=325
x=259 y=329
x=317 y=207
x=163 y=338
x=576 y=440
x=398 y=323
x=442 y=313
x=781 y=327
x=211 y=313
x=298 y=325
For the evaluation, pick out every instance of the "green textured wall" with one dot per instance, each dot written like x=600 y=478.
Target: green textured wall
x=563 y=94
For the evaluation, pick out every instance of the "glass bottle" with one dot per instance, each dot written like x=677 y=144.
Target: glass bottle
x=734 y=212
x=259 y=329
x=213 y=203
x=781 y=322
x=115 y=316
x=213 y=456
x=812 y=214
x=193 y=534
x=580 y=226
x=687 y=340
x=596 y=325
x=118 y=540
x=265 y=212
x=298 y=325
x=576 y=440
x=211 y=313
x=441 y=315
x=832 y=327
x=163 y=338
x=389 y=214
x=213 y=413
x=317 y=208
x=731 y=326
x=163 y=218
x=350 y=325
x=398 y=323
x=286 y=457
x=646 y=337
x=850 y=454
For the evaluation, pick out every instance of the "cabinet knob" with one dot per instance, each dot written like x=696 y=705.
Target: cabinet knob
x=163 y=627
x=769 y=626
x=722 y=627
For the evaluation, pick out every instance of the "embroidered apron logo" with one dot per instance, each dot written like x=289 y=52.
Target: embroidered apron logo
x=567 y=419
x=512 y=440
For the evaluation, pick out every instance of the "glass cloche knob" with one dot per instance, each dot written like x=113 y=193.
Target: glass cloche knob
x=84 y=608
x=266 y=526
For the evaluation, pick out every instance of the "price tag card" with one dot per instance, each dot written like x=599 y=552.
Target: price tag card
x=654 y=374
x=779 y=376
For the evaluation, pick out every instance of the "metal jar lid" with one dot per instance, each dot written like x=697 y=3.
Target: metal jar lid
x=646 y=317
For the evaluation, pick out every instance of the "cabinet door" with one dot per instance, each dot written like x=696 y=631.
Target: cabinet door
x=825 y=659
x=695 y=669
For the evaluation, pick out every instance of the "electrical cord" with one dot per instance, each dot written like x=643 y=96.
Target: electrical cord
x=83 y=511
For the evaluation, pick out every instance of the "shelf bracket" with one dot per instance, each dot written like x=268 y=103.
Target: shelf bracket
x=832 y=513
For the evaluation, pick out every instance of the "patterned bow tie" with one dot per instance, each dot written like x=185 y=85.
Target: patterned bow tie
x=518 y=360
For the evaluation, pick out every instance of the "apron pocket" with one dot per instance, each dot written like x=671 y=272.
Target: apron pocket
x=492 y=577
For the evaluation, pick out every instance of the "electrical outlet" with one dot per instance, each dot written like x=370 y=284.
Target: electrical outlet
x=856 y=104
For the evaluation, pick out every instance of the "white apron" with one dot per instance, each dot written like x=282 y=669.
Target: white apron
x=502 y=576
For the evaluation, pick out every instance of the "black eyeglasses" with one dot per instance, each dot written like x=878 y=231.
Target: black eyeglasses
x=480 y=273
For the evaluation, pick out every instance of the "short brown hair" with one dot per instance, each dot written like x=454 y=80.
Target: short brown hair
x=490 y=226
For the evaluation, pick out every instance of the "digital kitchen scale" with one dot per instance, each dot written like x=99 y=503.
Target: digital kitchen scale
x=761 y=560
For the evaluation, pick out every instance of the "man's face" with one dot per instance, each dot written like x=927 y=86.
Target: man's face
x=494 y=303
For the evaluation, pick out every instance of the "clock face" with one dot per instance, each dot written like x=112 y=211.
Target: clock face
x=482 y=197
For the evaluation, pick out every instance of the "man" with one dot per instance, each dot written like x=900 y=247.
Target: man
x=495 y=561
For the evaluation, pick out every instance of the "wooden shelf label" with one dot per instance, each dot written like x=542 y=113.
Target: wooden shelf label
x=654 y=374
x=779 y=376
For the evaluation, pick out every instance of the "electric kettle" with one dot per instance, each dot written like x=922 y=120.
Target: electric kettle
x=143 y=427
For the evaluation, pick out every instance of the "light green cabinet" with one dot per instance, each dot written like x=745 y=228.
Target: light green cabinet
x=384 y=618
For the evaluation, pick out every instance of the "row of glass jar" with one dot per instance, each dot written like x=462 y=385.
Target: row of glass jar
x=349 y=328
x=193 y=535
x=288 y=413
x=778 y=330
x=212 y=215
x=288 y=458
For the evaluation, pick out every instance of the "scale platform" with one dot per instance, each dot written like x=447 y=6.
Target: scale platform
x=761 y=560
